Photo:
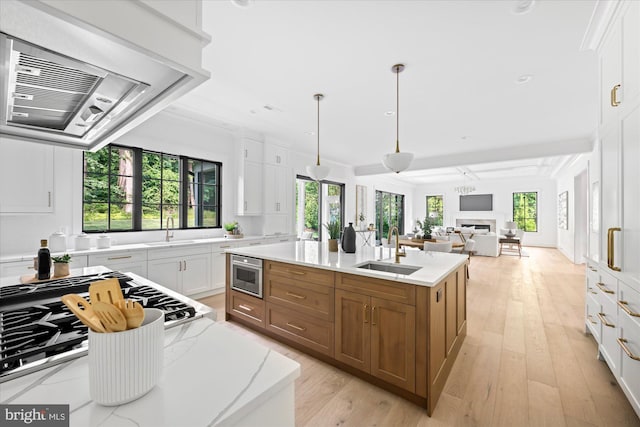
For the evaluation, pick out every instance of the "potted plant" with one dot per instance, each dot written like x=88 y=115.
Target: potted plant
x=425 y=226
x=333 y=228
x=61 y=265
x=232 y=229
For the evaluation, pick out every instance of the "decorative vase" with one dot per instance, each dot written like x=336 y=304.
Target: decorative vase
x=363 y=226
x=349 y=239
x=333 y=245
x=60 y=269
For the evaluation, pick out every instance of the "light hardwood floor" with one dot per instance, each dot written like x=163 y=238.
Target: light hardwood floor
x=526 y=360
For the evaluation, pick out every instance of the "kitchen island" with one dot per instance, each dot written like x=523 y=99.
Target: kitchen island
x=400 y=329
x=211 y=376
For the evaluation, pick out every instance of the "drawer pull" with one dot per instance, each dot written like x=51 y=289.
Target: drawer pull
x=590 y=317
x=245 y=307
x=590 y=289
x=622 y=342
x=614 y=96
x=291 y=294
x=224 y=247
x=119 y=257
x=604 y=289
x=604 y=321
x=297 y=273
x=365 y=311
x=300 y=328
x=625 y=306
x=255 y=243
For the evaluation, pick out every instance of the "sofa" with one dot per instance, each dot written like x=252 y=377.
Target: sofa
x=486 y=242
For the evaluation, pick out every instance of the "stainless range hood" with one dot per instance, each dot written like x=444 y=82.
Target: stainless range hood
x=65 y=82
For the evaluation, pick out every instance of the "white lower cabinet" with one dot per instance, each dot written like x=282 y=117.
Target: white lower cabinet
x=630 y=359
x=23 y=268
x=126 y=261
x=185 y=270
x=219 y=265
x=609 y=347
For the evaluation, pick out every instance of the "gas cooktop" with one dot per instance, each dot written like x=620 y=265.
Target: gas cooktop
x=37 y=330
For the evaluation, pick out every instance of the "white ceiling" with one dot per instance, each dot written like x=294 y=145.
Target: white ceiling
x=460 y=104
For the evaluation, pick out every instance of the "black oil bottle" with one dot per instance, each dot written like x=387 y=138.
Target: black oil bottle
x=44 y=261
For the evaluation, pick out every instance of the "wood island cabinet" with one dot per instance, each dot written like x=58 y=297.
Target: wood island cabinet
x=399 y=336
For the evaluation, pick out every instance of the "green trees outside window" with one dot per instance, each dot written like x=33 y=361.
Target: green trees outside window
x=389 y=213
x=317 y=203
x=435 y=210
x=127 y=189
x=525 y=211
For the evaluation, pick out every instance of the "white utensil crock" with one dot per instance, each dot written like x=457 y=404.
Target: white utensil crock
x=124 y=366
x=57 y=242
x=83 y=242
x=103 y=242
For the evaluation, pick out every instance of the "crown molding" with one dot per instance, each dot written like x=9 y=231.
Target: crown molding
x=601 y=18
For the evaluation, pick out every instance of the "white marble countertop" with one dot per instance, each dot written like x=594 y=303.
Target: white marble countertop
x=435 y=265
x=141 y=245
x=212 y=376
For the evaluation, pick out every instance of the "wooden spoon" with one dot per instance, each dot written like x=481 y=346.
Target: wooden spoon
x=83 y=310
x=107 y=290
x=133 y=312
x=110 y=316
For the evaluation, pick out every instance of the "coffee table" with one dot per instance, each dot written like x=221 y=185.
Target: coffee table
x=511 y=241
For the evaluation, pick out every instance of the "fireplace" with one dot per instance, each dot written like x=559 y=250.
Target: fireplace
x=479 y=224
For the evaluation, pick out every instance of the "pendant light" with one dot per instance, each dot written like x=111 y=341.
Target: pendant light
x=317 y=172
x=397 y=162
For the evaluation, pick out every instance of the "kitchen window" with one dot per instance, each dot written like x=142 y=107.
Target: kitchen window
x=317 y=203
x=130 y=189
x=435 y=209
x=389 y=213
x=525 y=211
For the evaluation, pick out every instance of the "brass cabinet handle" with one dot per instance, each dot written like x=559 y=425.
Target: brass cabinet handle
x=604 y=289
x=590 y=289
x=291 y=294
x=590 y=317
x=625 y=306
x=119 y=257
x=373 y=315
x=604 y=321
x=622 y=342
x=365 y=309
x=300 y=328
x=245 y=307
x=614 y=96
x=610 y=248
x=298 y=273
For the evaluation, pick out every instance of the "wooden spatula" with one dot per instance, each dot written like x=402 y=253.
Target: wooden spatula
x=133 y=312
x=110 y=316
x=107 y=290
x=83 y=310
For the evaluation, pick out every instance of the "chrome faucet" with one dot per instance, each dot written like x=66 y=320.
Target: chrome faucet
x=398 y=253
x=169 y=235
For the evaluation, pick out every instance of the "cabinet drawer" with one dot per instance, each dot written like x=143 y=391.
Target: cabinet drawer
x=608 y=286
x=314 y=300
x=385 y=289
x=592 y=320
x=296 y=272
x=629 y=303
x=118 y=257
x=630 y=363
x=609 y=346
x=249 y=308
x=311 y=332
x=182 y=251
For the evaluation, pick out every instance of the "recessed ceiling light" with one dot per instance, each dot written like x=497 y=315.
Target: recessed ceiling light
x=253 y=111
x=525 y=78
x=242 y=3
x=523 y=6
x=390 y=113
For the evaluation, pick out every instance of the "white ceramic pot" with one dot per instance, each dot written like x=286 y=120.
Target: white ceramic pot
x=57 y=242
x=83 y=242
x=103 y=242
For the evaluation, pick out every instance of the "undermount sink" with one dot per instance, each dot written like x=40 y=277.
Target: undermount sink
x=389 y=268
x=173 y=242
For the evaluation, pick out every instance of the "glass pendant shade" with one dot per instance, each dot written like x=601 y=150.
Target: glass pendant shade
x=397 y=162
x=318 y=172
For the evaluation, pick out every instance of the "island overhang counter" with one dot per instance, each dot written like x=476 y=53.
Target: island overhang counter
x=401 y=332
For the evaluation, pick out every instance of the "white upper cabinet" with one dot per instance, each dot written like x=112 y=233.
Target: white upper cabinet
x=630 y=23
x=249 y=194
x=26 y=177
x=276 y=155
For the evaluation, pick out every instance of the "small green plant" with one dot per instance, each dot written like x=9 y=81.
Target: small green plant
x=361 y=217
x=230 y=226
x=64 y=259
x=425 y=225
x=333 y=227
